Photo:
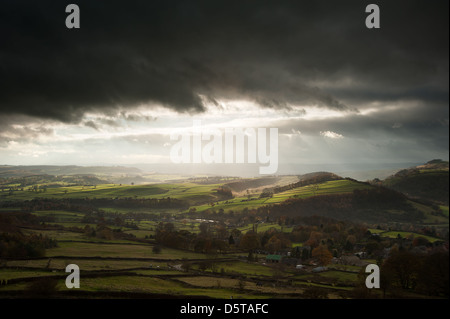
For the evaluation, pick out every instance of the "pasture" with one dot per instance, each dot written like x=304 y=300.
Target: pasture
x=253 y=201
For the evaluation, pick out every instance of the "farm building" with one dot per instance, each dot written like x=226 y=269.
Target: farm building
x=273 y=258
x=319 y=269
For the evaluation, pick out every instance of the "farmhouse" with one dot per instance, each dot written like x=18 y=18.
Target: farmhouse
x=361 y=254
x=351 y=260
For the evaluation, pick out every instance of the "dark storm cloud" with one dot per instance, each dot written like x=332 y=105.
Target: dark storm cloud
x=169 y=52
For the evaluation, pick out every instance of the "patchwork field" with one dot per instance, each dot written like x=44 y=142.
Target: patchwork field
x=120 y=254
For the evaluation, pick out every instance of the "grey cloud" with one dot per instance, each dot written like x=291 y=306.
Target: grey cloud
x=136 y=117
x=21 y=130
x=91 y=124
x=173 y=52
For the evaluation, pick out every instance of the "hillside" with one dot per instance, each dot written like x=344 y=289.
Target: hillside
x=342 y=199
x=404 y=197
x=367 y=205
x=245 y=184
x=426 y=182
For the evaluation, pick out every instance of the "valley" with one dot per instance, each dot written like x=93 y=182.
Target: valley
x=305 y=236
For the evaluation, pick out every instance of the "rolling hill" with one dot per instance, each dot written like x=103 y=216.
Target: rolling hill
x=417 y=195
x=427 y=182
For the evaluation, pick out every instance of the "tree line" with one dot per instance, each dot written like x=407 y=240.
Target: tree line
x=90 y=204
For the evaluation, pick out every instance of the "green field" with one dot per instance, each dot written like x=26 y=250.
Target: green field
x=8 y=274
x=191 y=192
x=404 y=234
x=245 y=268
x=122 y=264
x=444 y=210
x=132 y=250
x=94 y=264
x=265 y=227
x=188 y=191
x=60 y=216
x=331 y=187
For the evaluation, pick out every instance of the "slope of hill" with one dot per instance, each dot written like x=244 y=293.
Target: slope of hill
x=244 y=184
x=426 y=182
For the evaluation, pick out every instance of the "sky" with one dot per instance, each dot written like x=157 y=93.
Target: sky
x=113 y=91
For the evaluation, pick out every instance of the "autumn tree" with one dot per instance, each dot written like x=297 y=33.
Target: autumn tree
x=314 y=239
x=277 y=242
x=250 y=241
x=322 y=254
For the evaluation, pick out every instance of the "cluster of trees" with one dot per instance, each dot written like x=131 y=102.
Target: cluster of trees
x=214 y=237
x=84 y=205
x=330 y=235
x=270 y=241
x=103 y=218
x=10 y=221
x=104 y=232
x=17 y=245
x=339 y=235
x=204 y=242
x=405 y=270
x=225 y=192
x=68 y=204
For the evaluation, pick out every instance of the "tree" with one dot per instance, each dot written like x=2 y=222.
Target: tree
x=42 y=288
x=419 y=241
x=204 y=228
x=351 y=239
x=315 y=293
x=274 y=244
x=186 y=265
x=314 y=239
x=221 y=231
x=156 y=249
x=404 y=267
x=305 y=254
x=250 y=241
x=322 y=254
x=433 y=276
x=241 y=284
